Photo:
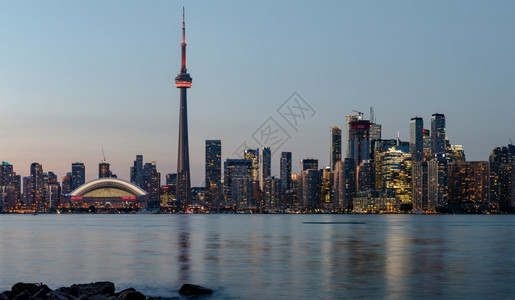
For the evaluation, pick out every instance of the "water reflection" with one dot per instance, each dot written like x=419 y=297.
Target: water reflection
x=183 y=259
x=267 y=256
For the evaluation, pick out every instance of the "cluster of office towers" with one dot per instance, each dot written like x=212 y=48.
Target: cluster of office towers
x=424 y=174
x=41 y=191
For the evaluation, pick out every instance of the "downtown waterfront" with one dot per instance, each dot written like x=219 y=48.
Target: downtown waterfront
x=266 y=256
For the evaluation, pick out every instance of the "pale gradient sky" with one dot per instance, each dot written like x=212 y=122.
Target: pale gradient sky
x=76 y=77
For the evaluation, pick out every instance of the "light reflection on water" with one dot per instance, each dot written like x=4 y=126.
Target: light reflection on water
x=266 y=256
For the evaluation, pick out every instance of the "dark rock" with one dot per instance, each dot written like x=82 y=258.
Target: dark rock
x=25 y=295
x=19 y=287
x=193 y=289
x=4 y=296
x=131 y=295
x=55 y=295
x=83 y=297
x=42 y=293
x=73 y=291
x=90 y=289
x=131 y=289
x=98 y=297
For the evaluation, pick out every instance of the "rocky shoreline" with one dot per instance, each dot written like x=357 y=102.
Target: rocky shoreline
x=103 y=290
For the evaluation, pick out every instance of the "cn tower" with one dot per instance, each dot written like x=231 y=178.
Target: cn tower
x=183 y=82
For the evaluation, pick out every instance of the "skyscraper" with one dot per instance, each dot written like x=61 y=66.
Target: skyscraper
x=151 y=183
x=336 y=145
x=27 y=190
x=285 y=171
x=396 y=173
x=67 y=183
x=183 y=82
x=238 y=188
x=7 y=187
x=103 y=170
x=358 y=139
x=437 y=134
x=137 y=171
x=416 y=140
x=36 y=184
x=308 y=164
x=253 y=156
x=311 y=188
x=420 y=186
x=469 y=185
x=78 y=175
x=375 y=132
x=266 y=164
x=214 y=170
x=437 y=180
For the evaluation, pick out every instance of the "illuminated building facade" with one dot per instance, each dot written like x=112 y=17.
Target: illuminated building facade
x=376 y=202
x=456 y=153
x=327 y=188
x=469 y=185
x=396 y=173
x=253 y=156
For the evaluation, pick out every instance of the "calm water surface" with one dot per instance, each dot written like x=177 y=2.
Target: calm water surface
x=267 y=256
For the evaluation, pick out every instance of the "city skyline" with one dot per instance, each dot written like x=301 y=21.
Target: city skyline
x=76 y=78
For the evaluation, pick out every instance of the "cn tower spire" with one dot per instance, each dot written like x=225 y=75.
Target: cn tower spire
x=183 y=79
x=183 y=45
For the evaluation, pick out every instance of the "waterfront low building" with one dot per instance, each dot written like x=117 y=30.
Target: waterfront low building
x=376 y=202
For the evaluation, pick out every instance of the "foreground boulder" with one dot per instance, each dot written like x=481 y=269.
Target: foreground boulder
x=193 y=289
x=90 y=289
x=20 y=287
x=42 y=292
x=25 y=295
x=131 y=294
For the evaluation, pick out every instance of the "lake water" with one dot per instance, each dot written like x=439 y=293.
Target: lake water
x=267 y=256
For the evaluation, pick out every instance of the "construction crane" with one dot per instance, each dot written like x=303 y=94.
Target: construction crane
x=360 y=114
x=103 y=155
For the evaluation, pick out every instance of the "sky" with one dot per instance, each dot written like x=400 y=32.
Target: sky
x=79 y=77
